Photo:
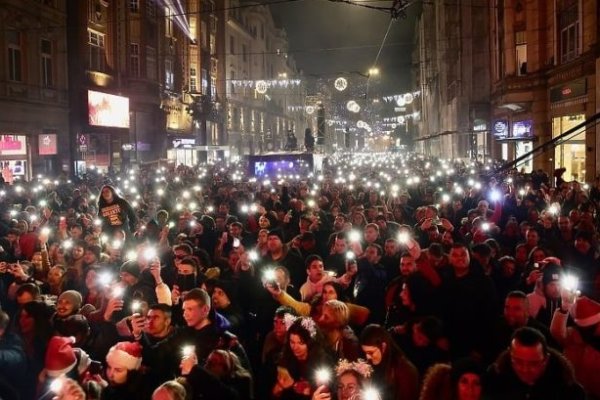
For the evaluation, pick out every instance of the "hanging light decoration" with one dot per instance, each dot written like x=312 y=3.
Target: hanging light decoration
x=401 y=101
x=353 y=106
x=341 y=84
x=408 y=98
x=310 y=110
x=261 y=87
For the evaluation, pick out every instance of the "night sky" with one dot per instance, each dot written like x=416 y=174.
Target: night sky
x=351 y=36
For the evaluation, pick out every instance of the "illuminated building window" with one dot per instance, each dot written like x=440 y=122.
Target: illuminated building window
x=134 y=6
x=193 y=27
x=46 y=62
x=168 y=22
x=97 y=52
x=213 y=87
x=169 y=75
x=204 y=81
x=193 y=80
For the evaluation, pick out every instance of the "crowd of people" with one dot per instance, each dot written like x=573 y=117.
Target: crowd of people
x=382 y=276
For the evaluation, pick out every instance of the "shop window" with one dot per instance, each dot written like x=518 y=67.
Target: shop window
x=571 y=153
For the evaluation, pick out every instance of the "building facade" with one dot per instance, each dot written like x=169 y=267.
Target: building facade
x=544 y=71
x=115 y=76
x=259 y=117
x=33 y=88
x=451 y=59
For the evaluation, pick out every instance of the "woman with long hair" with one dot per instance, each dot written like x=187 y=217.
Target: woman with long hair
x=460 y=380
x=35 y=330
x=302 y=355
x=393 y=373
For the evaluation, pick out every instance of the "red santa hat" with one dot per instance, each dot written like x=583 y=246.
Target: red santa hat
x=586 y=312
x=125 y=354
x=60 y=356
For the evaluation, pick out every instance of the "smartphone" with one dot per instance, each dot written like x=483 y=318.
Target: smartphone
x=95 y=368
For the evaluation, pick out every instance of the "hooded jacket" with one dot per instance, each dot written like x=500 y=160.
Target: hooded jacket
x=116 y=215
x=557 y=382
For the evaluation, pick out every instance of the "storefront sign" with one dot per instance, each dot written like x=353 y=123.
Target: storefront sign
x=568 y=90
x=108 y=110
x=522 y=129
x=500 y=129
x=47 y=144
x=13 y=145
x=128 y=146
x=184 y=143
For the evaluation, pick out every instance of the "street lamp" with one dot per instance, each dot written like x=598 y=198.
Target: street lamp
x=373 y=71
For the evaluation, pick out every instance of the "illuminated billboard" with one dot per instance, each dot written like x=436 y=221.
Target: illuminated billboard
x=108 y=110
x=522 y=129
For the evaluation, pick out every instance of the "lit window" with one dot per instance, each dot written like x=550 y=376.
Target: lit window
x=97 y=60
x=169 y=76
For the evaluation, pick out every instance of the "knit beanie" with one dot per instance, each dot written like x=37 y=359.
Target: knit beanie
x=551 y=273
x=73 y=296
x=278 y=233
x=131 y=267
